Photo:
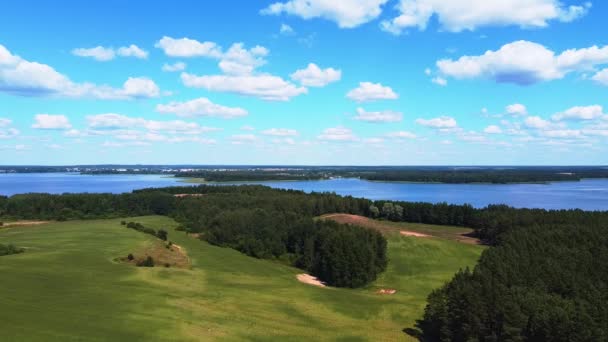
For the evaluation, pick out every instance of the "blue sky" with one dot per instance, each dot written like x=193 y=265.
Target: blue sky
x=318 y=82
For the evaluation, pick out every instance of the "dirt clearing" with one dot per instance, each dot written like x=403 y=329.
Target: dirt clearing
x=310 y=280
x=23 y=223
x=408 y=233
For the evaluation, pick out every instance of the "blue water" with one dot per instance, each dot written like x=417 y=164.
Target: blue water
x=57 y=183
x=591 y=194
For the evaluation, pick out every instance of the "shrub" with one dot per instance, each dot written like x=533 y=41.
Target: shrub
x=130 y=257
x=123 y=223
x=162 y=234
x=10 y=249
x=147 y=262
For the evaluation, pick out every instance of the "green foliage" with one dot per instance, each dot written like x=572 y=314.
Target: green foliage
x=147 y=262
x=10 y=249
x=162 y=234
x=542 y=283
x=130 y=257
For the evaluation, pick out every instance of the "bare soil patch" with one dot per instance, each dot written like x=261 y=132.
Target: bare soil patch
x=425 y=231
x=386 y=291
x=408 y=233
x=188 y=195
x=310 y=280
x=23 y=223
x=163 y=254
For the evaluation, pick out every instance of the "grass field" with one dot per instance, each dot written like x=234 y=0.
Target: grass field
x=67 y=286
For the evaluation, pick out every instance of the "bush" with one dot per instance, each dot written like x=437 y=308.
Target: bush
x=130 y=257
x=162 y=234
x=123 y=223
x=147 y=262
x=10 y=249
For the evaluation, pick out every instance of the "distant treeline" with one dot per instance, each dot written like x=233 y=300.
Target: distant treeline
x=442 y=175
x=546 y=279
x=253 y=175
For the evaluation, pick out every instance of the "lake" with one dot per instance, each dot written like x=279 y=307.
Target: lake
x=589 y=194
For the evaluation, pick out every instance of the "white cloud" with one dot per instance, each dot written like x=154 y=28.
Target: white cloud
x=346 y=13
x=313 y=76
x=443 y=122
x=74 y=133
x=459 y=15
x=239 y=139
x=201 y=107
x=337 y=134
x=185 y=47
x=177 y=66
x=99 y=53
x=21 y=77
x=523 y=63
x=373 y=141
x=493 y=129
x=264 y=86
x=132 y=51
x=402 y=135
x=5 y=122
x=562 y=133
x=537 y=122
x=580 y=113
x=241 y=61
x=601 y=77
x=516 y=109
x=247 y=128
x=440 y=81
x=286 y=30
x=380 y=116
x=280 y=132
x=368 y=91
x=47 y=121
x=140 y=87
x=8 y=133
x=104 y=54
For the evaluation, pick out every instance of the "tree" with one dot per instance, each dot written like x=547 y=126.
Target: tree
x=374 y=211
x=162 y=234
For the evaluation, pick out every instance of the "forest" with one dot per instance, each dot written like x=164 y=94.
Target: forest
x=544 y=278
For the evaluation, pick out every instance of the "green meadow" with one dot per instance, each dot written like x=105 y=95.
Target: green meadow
x=69 y=286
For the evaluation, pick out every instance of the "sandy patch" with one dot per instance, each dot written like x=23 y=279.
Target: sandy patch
x=23 y=223
x=188 y=195
x=409 y=233
x=386 y=291
x=310 y=280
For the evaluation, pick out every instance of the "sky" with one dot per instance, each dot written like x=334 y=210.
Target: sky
x=304 y=82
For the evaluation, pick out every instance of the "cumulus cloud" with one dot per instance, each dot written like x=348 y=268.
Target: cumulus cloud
x=177 y=66
x=402 y=135
x=313 y=76
x=580 y=113
x=523 y=63
x=114 y=123
x=460 y=15
x=337 y=134
x=379 y=116
x=443 y=122
x=537 y=122
x=286 y=30
x=53 y=122
x=239 y=139
x=516 y=109
x=264 y=86
x=346 y=13
x=132 y=51
x=440 y=81
x=185 y=47
x=201 y=107
x=368 y=91
x=601 y=77
x=104 y=54
x=21 y=77
x=280 y=132
x=493 y=129
x=7 y=132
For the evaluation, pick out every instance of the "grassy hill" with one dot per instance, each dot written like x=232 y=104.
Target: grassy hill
x=68 y=285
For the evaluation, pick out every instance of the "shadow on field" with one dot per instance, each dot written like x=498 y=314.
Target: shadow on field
x=414 y=332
